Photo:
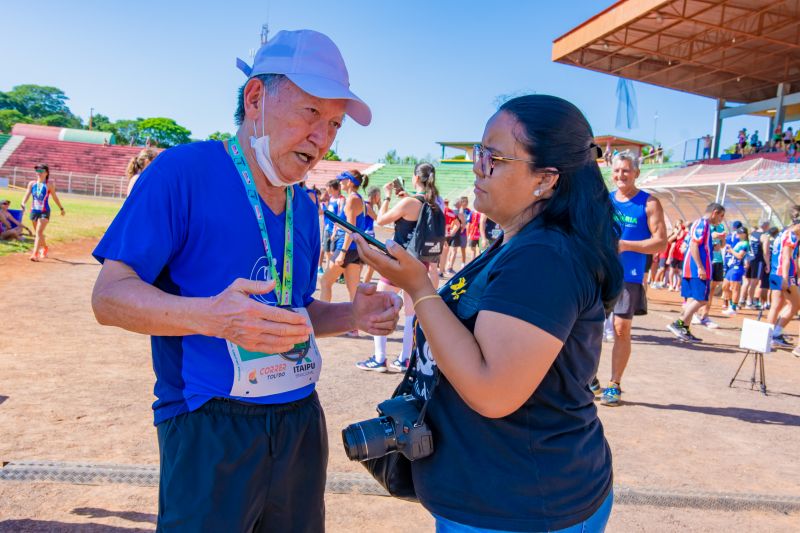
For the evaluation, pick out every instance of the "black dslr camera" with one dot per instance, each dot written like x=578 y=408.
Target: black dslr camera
x=398 y=429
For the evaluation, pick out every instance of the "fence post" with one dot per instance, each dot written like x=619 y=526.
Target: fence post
x=121 y=184
x=15 y=176
x=95 y=184
x=69 y=183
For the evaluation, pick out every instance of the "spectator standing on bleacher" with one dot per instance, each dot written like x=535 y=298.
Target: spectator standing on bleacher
x=10 y=227
x=707 y=147
x=41 y=191
x=137 y=165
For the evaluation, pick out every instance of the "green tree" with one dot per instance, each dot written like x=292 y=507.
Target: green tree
x=9 y=117
x=126 y=131
x=60 y=120
x=331 y=156
x=391 y=158
x=39 y=101
x=164 y=131
x=100 y=123
x=220 y=136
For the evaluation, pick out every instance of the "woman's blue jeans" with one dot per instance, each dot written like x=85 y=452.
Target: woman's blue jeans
x=594 y=524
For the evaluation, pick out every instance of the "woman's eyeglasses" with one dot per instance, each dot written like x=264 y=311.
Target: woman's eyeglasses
x=486 y=158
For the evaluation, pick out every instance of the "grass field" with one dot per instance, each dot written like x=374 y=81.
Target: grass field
x=86 y=217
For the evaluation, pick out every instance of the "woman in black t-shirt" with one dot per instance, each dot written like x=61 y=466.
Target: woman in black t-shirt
x=506 y=349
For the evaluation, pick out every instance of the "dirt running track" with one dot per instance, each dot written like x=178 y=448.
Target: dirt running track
x=71 y=390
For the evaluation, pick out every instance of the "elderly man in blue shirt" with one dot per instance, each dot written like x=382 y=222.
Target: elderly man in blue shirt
x=215 y=257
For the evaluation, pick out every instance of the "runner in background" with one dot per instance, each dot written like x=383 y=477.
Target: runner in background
x=449 y=217
x=696 y=283
x=40 y=191
x=641 y=219
x=346 y=260
x=717 y=276
x=335 y=205
x=785 y=299
x=373 y=204
x=675 y=258
x=474 y=234
x=735 y=270
x=754 y=295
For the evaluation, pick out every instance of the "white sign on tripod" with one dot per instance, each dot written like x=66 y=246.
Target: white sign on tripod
x=756 y=336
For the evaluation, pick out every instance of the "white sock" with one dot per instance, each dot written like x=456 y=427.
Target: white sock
x=608 y=327
x=408 y=338
x=380 y=348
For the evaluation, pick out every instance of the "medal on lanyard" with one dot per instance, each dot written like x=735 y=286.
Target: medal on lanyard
x=283 y=288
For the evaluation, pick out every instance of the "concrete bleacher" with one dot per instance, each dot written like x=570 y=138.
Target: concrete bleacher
x=328 y=170
x=65 y=157
x=452 y=180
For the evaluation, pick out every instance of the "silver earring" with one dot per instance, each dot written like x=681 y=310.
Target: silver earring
x=537 y=192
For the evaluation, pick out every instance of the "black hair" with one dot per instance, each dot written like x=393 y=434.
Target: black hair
x=334 y=184
x=271 y=83
x=427 y=176
x=714 y=206
x=556 y=134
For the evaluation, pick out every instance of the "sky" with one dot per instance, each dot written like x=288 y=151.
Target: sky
x=430 y=71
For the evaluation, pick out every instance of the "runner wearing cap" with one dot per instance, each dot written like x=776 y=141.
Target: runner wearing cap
x=641 y=218
x=242 y=437
x=41 y=191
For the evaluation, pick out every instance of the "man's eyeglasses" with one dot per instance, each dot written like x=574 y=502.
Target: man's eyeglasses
x=486 y=159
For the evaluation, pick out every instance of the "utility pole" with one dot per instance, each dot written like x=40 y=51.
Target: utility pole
x=91 y=112
x=655 y=128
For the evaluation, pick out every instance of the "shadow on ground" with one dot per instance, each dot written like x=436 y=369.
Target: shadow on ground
x=50 y=526
x=131 y=516
x=754 y=416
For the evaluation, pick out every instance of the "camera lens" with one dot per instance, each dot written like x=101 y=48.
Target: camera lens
x=369 y=439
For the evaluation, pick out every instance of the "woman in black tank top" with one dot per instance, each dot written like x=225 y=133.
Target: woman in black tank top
x=404 y=216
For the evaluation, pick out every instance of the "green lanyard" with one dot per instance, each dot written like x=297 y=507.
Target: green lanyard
x=283 y=291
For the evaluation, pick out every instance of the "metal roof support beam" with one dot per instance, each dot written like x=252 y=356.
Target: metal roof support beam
x=780 y=111
x=779 y=101
x=717 y=127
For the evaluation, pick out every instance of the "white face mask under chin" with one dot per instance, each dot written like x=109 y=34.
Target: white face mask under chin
x=260 y=146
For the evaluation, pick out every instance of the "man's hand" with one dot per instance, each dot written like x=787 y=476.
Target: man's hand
x=701 y=273
x=376 y=312
x=256 y=327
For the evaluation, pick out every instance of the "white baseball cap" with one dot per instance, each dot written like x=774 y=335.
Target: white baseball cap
x=313 y=62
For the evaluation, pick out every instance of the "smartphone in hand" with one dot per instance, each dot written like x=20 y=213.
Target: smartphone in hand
x=353 y=229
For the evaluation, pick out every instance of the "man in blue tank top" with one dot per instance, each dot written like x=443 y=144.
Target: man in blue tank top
x=641 y=219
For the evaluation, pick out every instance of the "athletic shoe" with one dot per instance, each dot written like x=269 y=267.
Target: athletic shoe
x=691 y=337
x=595 y=387
x=371 y=364
x=796 y=351
x=679 y=329
x=729 y=311
x=779 y=341
x=608 y=336
x=43 y=252
x=707 y=322
x=611 y=395
x=399 y=365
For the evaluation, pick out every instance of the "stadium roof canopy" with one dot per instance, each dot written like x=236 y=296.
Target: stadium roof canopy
x=745 y=51
x=738 y=50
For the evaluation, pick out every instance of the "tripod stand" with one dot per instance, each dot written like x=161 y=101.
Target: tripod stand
x=758 y=365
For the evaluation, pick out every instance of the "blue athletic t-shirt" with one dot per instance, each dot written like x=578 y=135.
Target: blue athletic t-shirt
x=547 y=465
x=632 y=218
x=189 y=229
